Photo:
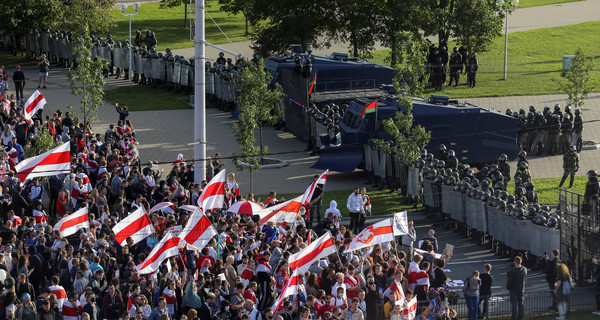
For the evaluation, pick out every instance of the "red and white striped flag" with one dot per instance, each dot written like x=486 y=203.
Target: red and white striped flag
x=50 y=163
x=166 y=248
x=280 y=213
x=198 y=230
x=381 y=232
x=318 y=249
x=213 y=195
x=61 y=295
x=411 y=309
x=73 y=222
x=33 y=104
x=308 y=194
x=397 y=288
x=291 y=288
x=137 y=226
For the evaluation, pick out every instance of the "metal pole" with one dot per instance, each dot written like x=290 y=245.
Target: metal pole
x=505 y=43
x=199 y=96
x=130 y=53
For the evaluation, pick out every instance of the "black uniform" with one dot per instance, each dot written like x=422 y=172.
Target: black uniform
x=456 y=66
x=472 y=71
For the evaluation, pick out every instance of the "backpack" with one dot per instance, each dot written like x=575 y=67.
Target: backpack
x=567 y=287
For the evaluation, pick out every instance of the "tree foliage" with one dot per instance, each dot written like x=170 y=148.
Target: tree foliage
x=86 y=80
x=474 y=24
x=91 y=15
x=236 y=7
x=20 y=16
x=257 y=105
x=42 y=143
x=578 y=82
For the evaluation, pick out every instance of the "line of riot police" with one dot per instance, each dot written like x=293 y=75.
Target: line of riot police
x=548 y=132
x=458 y=62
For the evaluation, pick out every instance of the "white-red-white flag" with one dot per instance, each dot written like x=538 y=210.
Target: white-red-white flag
x=198 y=230
x=397 y=288
x=73 y=222
x=291 y=288
x=33 y=104
x=308 y=194
x=49 y=163
x=411 y=309
x=166 y=248
x=381 y=232
x=213 y=195
x=137 y=226
x=401 y=223
x=280 y=213
x=318 y=249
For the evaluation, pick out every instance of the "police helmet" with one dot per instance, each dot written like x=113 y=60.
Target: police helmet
x=485 y=183
x=544 y=208
x=591 y=173
x=567 y=108
x=552 y=222
x=221 y=54
x=522 y=154
x=558 y=213
x=523 y=165
x=475 y=183
x=572 y=149
x=455 y=49
x=503 y=157
x=515 y=114
x=531 y=108
x=451 y=181
x=335 y=108
x=521 y=111
x=442 y=147
x=424 y=153
x=509 y=112
x=541 y=220
x=501 y=205
x=577 y=112
x=522 y=117
x=519 y=190
x=429 y=157
x=479 y=194
x=468 y=191
x=485 y=196
x=531 y=211
x=434 y=163
x=528 y=185
x=447 y=172
x=510 y=199
x=503 y=195
x=493 y=168
x=451 y=153
x=455 y=175
x=557 y=107
x=441 y=164
x=497 y=192
x=518 y=204
x=510 y=207
x=499 y=185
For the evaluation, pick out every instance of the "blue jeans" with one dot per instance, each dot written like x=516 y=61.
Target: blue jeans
x=472 y=306
x=313 y=208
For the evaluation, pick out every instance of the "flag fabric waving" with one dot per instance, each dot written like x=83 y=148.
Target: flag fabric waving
x=213 y=194
x=401 y=222
x=198 y=230
x=50 y=163
x=318 y=249
x=166 y=248
x=308 y=194
x=283 y=212
x=290 y=289
x=397 y=288
x=73 y=222
x=381 y=232
x=411 y=309
x=370 y=108
x=313 y=83
x=33 y=104
x=137 y=226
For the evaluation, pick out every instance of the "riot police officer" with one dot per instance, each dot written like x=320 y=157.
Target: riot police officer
x=443 y=154
x=554 y=132
x=221 y=59
x=472 y=70
x=444 y=56
x=465 y=57
x=452 y=161
x=566 y=131
x=456 y=66
x=530 y=194
x=591 y=193
x=532 y=134
x=522 y=132
x=522 y=158
x=523 y=172
x=438 y=74
x=570 y=166
x=504 y=167
x=577 y=131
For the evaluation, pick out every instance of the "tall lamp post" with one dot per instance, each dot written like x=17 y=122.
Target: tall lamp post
x=511 y=6
x=136 y=7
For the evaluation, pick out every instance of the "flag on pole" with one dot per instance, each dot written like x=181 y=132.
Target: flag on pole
x=380 y=232
x=308 y=194
x=137 y=226
x=198 y=230
x=397 y=288
x=33 y=104
x=166 y=248
x=283 y=212
x=318 y=249
x=370 y=108
x=290 y=289
x=213 y=195
x=49 y=163
x=73 y=222
x=313 y=83
x=401 y=223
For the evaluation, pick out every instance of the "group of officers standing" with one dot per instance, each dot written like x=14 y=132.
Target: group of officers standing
x=549 y=132
x=459 y=62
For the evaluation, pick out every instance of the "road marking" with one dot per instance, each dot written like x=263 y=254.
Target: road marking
x=476 y=261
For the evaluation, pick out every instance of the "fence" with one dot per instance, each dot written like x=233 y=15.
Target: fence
x=580 y=237
x=536 y=304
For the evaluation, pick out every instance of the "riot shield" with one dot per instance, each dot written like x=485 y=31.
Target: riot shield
x=147 y=65
x=169 y=69
x=176 y=71
x=45 y=42
x=53 y=52
x=62 y=49
x=138 y=66
x=191 y=76
x=210 y=82
x=70 y=52
x=124 y=56
x=185 y=70
x=117 y=57
x=161 y=69
x=155 y=71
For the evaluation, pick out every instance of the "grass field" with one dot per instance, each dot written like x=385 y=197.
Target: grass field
x=535 y=3
x=534 y=61
x=168 y=25
x=9 y=61
x=140 y=98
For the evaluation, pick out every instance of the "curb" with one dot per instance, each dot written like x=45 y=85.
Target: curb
x=281 y=164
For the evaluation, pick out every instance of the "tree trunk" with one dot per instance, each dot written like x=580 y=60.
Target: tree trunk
x=393 y=47
x=260 y=141
x=185 y=14
x=246 y=18
x=251 y=181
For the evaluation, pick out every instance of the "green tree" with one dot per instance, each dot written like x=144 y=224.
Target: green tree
x=410 y=76
x=91 y=15
x=86 y=80
x=21 y=16
x=578 y=82
x=355 y=23
x=475 y=24
x=177 y=3
x=396 y=16
x=236 y=7
x=41 y=144
x=257 y=104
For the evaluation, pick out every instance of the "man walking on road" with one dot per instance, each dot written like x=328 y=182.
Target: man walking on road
x=515 y=283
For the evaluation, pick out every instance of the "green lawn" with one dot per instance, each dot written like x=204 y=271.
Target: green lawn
x=547 y=188
x=535 y=3
x=141 y=98
x=534 y=61
x=10 y=61
x=168 y=25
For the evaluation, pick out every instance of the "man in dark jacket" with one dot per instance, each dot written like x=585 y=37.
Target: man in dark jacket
x=551 y=274
x=19 y=80
x=91 y=308
x=46 y=313
x=112 y=305
x=515 y=283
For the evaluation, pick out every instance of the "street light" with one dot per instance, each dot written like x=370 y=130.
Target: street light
x=507 y=10
x=136 y=7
